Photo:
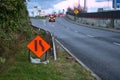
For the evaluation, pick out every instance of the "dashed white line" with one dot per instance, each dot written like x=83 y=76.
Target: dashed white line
x=90 y=36
x=116 y=43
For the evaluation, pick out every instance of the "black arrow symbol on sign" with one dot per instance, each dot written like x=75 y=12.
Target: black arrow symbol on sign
x=40 y=43
x=36 y=46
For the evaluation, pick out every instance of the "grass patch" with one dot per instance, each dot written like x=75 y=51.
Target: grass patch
x=65 y=68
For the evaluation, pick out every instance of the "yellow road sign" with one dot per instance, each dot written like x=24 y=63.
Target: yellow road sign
x=76 y=11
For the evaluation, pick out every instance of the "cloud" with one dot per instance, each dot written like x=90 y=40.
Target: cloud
x=31 y=5
x=92 y=5
x=55 y=5
x=61 y=5
x=45 y=4
x=49 y=11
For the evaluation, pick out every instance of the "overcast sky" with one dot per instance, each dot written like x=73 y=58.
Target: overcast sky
x=52 y=5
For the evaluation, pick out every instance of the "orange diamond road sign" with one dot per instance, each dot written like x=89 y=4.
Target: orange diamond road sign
x=38 y=46
x=76 y=11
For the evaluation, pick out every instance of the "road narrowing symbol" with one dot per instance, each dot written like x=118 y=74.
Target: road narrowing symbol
x=38 y=46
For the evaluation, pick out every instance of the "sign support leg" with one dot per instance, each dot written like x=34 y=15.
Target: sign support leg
x=29 y=55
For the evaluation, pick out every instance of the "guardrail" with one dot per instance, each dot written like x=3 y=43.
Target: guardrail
x=103 y=15
x=49 y=38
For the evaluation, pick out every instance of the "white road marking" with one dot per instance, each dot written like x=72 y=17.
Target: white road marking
x=118 y=44
x=76 y=31
x=90 y=36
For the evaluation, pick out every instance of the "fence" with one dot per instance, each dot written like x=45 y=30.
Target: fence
x=103 y=15
x=49 y=38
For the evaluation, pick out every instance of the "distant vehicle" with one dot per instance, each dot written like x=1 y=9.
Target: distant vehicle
x=51 y=18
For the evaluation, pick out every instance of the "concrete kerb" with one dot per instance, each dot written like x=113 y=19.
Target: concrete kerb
x=80 y=62
x=107 y=29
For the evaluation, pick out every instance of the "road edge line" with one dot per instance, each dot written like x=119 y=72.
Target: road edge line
x=80 y=62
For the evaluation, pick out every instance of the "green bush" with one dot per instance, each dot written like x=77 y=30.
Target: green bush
x=15 y=24
x=13 y=18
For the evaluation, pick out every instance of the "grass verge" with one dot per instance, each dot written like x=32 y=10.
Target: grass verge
x=65 y=68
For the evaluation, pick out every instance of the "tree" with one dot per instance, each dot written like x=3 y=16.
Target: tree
x=69 y=9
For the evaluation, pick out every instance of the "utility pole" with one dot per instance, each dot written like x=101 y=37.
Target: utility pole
x=108 y=4
x=85 y=6
x=78 y=4
x=115 y=4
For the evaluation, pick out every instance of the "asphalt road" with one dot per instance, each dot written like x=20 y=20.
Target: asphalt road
x=97 y=49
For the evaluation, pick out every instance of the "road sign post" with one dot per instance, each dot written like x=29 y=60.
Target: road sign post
x=76 y=11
